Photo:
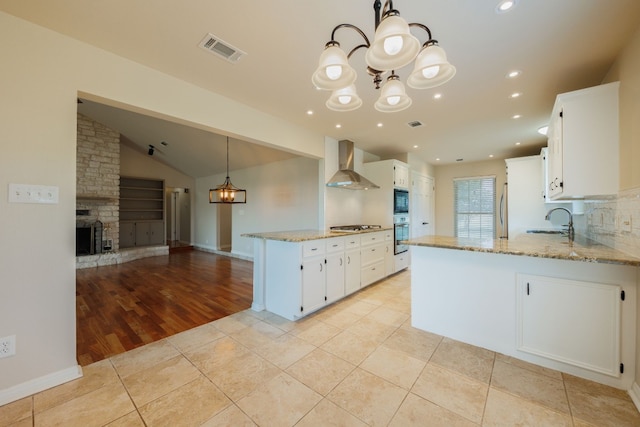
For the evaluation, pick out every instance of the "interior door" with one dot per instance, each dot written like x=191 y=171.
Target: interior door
x=422 y=209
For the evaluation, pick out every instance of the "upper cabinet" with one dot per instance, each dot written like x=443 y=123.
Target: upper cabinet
x=583 y=145
x=400 y=175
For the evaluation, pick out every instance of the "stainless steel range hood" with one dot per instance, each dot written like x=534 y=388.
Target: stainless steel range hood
x=346 y=177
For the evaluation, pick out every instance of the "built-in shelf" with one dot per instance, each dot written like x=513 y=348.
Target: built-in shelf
x=141 y=212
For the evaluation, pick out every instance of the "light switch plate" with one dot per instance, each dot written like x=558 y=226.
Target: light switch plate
x=29 y=193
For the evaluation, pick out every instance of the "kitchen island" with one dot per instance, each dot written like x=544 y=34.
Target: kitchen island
x=298 y=272
x=569 y=306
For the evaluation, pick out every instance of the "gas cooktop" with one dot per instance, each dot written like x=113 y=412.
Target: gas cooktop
x=357 y=227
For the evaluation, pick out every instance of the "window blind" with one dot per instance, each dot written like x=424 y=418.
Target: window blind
x=475 y=207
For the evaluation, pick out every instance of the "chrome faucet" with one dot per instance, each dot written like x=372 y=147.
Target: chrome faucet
x=570 y=229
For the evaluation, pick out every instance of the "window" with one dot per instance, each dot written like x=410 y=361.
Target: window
x=475 y=207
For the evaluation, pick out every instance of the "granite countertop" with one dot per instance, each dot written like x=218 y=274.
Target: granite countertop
x=304 y=235
x=534 y=245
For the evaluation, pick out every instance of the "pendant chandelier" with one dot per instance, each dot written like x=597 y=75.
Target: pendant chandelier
x=393 y=47
x=227 y=192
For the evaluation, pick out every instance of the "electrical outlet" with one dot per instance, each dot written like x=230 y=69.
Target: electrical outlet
x=8 y=346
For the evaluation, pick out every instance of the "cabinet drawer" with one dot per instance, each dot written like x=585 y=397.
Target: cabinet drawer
x=372 y=254
x=352 y=242
x=371 y=238
x=372 y=273
x=388 y=235
x=335 y=245
x=313 y=248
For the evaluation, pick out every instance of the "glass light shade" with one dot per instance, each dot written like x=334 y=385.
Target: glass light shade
x=392 y=32
x=432 y=69
x=227 y=193
x=334 y=71
x=345 y=99
x=393 y=97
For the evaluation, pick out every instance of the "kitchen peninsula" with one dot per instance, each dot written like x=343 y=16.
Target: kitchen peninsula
x=298 y=272
x=569 y=306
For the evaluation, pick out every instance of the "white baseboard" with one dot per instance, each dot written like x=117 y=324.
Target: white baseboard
x=635 y=394
x=36 y=385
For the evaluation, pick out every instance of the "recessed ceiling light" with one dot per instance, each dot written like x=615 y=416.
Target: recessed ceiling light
x=513 y=74
x=415 y=146
x=490 y=155
x=518 y=143
x=437 y=159
x=379 y=125
x=543 y=130
x=338 y=126
x=437 y=96
x=506 y=5
x=310 y=112
x=515 y=95
x=516 y=116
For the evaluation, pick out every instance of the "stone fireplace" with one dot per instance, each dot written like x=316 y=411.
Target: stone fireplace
x=97 y=198
x=97 y=188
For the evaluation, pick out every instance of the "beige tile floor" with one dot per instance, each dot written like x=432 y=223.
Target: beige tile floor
x=356 y=363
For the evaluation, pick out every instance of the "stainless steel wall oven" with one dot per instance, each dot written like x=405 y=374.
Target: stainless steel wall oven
x=400 y=233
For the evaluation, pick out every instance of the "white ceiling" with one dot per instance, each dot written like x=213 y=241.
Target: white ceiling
x=558 y=45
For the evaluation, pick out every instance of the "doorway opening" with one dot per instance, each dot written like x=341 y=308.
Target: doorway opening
x=224 y=227
x=178 y=208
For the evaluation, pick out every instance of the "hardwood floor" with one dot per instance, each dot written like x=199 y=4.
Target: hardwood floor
x=121 y=307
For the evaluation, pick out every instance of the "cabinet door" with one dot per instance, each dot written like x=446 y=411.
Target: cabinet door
x=352 y=271
x=335 y=276
x=554 y=153
x=389 y=261
x=127 y=234
x=142 y=233
x=400 y=176
x=571 y=321
x=313 y=284
x=156 y=233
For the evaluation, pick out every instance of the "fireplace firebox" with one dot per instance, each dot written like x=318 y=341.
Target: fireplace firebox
x=88 y=238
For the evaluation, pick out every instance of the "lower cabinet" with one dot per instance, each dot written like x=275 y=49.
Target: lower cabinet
x=353 y=265
x=335 y=268
x=574 y=322
x=141 y=233
x=301 y=278
x=314 y=275
x=372 y=252
x=389 y=260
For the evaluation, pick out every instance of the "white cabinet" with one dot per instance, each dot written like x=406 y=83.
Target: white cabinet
x=402 y=260
x=352 y=264
x=378 y=203
x=400 y=175
x=574 y=322
x=335 y=270
x=583 y=139
x=372 y=250
x=389 y=260
x=314 y=275
x=302 y=277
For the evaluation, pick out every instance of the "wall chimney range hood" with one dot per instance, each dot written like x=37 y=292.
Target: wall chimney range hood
x=346 y=177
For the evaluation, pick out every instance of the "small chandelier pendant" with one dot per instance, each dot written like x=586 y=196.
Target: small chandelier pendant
x=227 y=192
x=393 y=47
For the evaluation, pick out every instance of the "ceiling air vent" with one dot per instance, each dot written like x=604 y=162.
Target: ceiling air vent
x=221 y=48
x=414 y=124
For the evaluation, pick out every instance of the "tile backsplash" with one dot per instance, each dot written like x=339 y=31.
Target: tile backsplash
x=614 y=222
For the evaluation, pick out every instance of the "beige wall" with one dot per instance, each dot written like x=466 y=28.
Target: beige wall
x=37 y=245
x=445 y=175
x=626 y=69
